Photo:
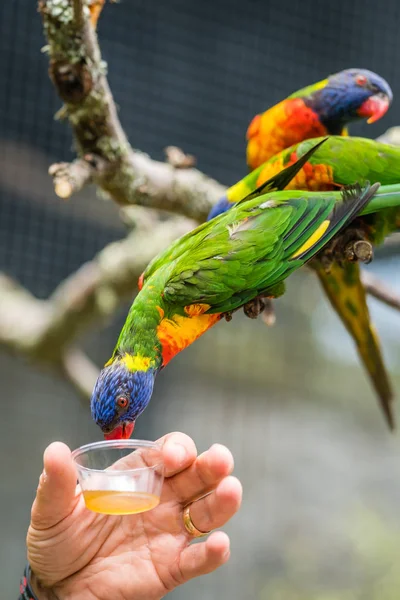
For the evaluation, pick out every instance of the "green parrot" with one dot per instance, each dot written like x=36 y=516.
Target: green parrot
x=339 y=162
x=233 y=261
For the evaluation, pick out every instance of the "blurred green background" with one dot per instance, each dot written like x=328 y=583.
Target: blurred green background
x=320 y=518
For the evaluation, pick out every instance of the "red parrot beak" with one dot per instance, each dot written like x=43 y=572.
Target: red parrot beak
x=122 y=432
x=374 y=108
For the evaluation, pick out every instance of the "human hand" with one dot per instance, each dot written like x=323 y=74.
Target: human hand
x=75 y=553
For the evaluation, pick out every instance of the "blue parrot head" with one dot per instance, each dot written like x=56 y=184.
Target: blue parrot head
x=350 y=95
x=119 y=397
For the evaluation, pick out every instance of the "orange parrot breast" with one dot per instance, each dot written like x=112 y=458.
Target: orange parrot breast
x=283 y=125
x=178 y=332
x=313 y=177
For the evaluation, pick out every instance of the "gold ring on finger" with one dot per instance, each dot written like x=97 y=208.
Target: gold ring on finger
x=189 y=525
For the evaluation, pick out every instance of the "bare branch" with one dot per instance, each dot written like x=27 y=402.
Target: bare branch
x=391 y=136
x=23 y=321
x=374 y=287
x=43 y=329
x=78 y=13
x=71 y=177
x=80 y=371
x=178 y=159
x=130 y=177
x=22 y=316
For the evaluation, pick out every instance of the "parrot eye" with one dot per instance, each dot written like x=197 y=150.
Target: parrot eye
x=122 y=402
x=361 y=80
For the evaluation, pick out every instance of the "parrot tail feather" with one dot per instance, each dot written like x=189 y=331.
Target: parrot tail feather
x=347 y=296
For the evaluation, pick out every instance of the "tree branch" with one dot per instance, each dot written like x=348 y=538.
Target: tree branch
x=78 y=6
x=44 y=330
x=80 y=371
x=178 y=159
x=127 y=176
x=69 y=178
x=376 y=288
x=391 y=136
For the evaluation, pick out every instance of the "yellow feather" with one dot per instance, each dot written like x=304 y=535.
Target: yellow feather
x=321 y=84
x=193 y=310
x=313 y=239
x=136 y=363
x=238 y=191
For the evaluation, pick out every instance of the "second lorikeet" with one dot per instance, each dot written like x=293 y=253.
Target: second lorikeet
x=220 y=266
x=326 y=107
x=323 y=108
x=339 y=162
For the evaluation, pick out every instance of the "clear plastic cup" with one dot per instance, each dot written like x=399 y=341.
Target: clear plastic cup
x=120 y=477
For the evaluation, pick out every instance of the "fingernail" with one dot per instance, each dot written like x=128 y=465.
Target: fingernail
x=227 y=554
x=43 y=477
x=180 y=452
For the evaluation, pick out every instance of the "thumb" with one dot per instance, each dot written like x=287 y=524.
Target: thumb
x=55 y=496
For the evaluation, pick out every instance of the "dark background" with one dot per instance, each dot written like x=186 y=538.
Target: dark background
x=320 y=516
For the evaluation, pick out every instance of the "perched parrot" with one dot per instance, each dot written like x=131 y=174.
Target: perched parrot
x=324 y=108
x=342 y=161
x=222 y=265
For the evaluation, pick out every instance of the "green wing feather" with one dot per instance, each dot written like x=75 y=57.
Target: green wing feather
x=353 y=159
x=359 y=160
x=284 y=177
x=249 y=250
x=277 y=182
x=362 y=160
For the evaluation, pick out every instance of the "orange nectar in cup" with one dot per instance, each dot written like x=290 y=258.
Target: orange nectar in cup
x=120 y=477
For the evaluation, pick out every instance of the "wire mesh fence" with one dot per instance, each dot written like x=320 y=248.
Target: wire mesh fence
x=292 y=403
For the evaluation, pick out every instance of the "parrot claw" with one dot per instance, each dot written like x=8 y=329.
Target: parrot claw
x=228 y=316
x=261 y=306
x=254 y=308
x=351 y=246
x=361 y=250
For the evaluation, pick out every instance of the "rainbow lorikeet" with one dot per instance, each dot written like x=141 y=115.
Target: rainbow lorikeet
x=324 y=108
x=220 y=266
x=339 y=162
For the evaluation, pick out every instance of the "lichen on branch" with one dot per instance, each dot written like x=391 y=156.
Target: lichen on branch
x=126 y=175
